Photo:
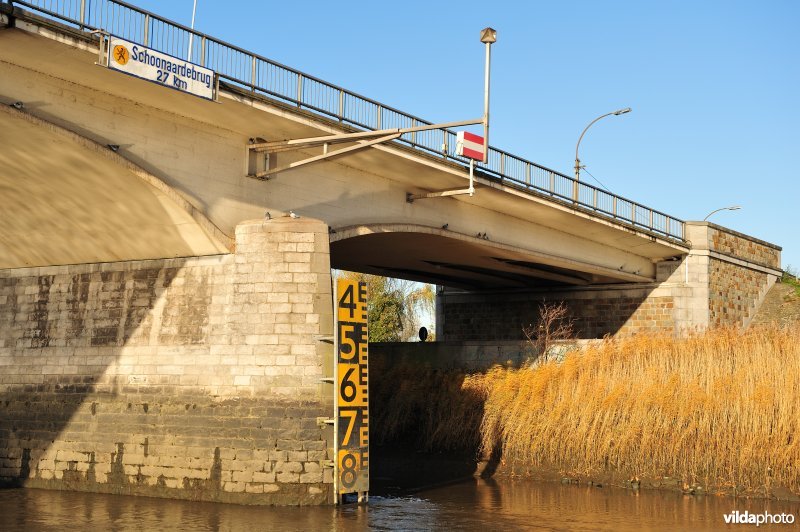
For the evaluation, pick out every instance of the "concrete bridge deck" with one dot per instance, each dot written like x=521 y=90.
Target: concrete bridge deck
x=199 y=149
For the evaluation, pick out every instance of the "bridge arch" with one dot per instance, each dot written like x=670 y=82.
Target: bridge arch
x=72 y=200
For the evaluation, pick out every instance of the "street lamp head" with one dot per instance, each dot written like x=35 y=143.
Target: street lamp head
x=731 y=208
x=488 y=36
x=578 y=145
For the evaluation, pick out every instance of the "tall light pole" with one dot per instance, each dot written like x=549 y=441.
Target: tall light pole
x=731 y=208
x=194 y=10
x=578 y=145
x=488 y=37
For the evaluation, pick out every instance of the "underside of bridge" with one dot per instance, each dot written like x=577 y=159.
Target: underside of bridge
x=450 y=259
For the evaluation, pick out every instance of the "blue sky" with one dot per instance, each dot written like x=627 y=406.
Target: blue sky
x=713 y=86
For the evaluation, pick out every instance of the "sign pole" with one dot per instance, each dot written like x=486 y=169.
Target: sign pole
x=488 y=37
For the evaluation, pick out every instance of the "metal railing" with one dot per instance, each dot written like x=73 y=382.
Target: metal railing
x=261 y=75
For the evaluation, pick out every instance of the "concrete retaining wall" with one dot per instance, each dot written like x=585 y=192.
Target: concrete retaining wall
x=190 y=378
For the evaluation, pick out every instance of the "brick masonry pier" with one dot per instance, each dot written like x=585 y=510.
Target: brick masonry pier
x=192 y=378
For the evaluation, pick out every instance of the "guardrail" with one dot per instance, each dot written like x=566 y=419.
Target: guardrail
x=264 y=76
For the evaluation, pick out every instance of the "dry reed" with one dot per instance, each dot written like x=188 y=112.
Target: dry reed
x=433 y=410
x=719 y=409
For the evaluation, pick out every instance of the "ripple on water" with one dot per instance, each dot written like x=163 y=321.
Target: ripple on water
x=470 y=506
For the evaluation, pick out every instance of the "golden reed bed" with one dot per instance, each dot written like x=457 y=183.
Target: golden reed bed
x=718 y=410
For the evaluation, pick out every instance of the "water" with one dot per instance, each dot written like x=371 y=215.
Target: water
x=470 y=506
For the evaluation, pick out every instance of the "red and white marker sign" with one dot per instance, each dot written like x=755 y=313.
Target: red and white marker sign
x=469 y=145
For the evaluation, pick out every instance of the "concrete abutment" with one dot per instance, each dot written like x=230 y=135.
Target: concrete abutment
x=192 y=378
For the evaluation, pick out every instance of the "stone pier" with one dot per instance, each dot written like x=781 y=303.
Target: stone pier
x=195 y=378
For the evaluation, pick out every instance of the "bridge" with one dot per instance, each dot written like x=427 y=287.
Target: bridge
x=165 y=261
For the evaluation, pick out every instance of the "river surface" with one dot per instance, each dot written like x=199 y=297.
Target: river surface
x=479 y=505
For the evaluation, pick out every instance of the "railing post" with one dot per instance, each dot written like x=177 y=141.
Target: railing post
x=203 y=51
x=552 y=183
x=651 y=219
x=414 y=133
x=146 y=40
x=594 y=198
x=83 y=14
x=502 y=164
x=615 y=207
x=341 y=104
x=253 y=75
x=378 y=117
x=299 y=89
x=528 y=172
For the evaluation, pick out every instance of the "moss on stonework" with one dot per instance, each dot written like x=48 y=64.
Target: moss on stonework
x=791 y=278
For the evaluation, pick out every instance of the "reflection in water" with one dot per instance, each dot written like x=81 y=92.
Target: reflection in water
x=475 y=505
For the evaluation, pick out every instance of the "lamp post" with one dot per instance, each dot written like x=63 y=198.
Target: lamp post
x=194 y=10
x=577 y=159
x=731 y=208
x=488 y=37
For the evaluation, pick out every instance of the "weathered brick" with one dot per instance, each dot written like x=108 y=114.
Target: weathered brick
x=309 y=478
x=288 y=478
x=242 y=476
x=297 y=456
x=290 y=467
x=317 y=456
x=314 y=445
x=289 y=445
x=234 y=487
x=261 y=476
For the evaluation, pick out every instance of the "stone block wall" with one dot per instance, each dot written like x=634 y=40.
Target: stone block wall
x=741 y=271
x=734 y=292
x=741 y=246
x=502 y=316
x=189 y=378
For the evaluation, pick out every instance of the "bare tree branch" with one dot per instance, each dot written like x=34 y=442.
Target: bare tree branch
x=554 y=324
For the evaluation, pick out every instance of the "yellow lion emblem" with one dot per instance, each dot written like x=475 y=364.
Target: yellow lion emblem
x=121 y=54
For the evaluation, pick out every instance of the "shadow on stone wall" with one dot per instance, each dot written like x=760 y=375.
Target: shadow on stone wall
x=108 y=386
x=597 y=313
x=61 y=334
